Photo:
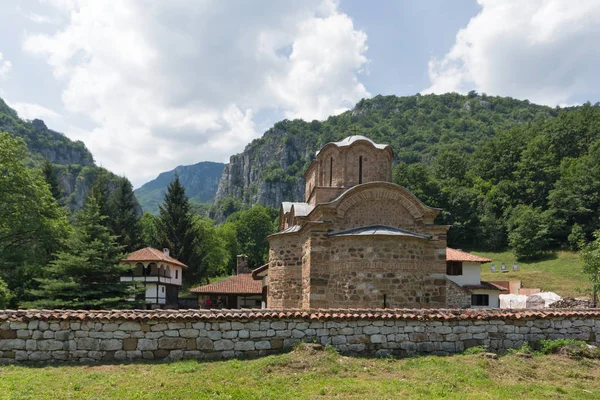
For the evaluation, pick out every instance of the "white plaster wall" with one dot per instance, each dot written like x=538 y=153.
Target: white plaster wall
x=494 y=298
x=471 y=274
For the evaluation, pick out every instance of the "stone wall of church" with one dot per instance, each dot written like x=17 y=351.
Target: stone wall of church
x=285 y=271
x=377 y=271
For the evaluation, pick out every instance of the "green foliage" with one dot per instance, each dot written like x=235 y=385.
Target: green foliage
x=177 y=231
x=252 y=227
x=590 y=255
x=553 y=346
x=32 y=224
x=123 y=219
x=149 y=230
x=86 y=273
x=5 y=294
x=49 y=173
x=528 y=232
x=576 y=237
x=475 y=350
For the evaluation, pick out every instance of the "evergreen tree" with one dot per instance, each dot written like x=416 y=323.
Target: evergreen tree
x=99 y=190
x=50 y=176
x=85 y=275
x=176 y=227
x=123 y=220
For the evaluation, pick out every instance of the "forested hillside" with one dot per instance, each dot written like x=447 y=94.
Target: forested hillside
x=505 y=171
x=200 y=181
x=270 y=169
x=69 y=162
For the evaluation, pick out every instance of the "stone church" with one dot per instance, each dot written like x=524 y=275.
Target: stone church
x=358 y=241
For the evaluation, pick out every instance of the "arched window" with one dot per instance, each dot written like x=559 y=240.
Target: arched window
x=151 y=269
x=168 y=272
x=331 y=171
x=360 y=169
x=138 y=270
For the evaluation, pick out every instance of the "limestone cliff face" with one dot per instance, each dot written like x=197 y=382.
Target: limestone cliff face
x=72 y=162
x=270 y=170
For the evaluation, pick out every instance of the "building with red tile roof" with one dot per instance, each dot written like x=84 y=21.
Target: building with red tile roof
x=238 y=291
x=159 y=274
x=465 y=287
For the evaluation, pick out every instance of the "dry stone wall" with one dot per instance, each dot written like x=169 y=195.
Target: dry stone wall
x=81 y=336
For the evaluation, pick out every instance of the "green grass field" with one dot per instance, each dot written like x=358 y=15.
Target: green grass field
x=304 y=374
x=559 y=272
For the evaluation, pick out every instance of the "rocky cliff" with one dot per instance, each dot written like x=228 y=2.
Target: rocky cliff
x=200 y=181
x=270 y=169
x=71 y=160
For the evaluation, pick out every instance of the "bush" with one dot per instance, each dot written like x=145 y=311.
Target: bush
x=5 y=294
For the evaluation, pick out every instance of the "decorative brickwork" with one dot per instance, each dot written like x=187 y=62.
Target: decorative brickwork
x=360 y=240
x=88 y=336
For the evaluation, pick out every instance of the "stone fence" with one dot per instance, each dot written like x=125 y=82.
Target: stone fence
x=102 y=336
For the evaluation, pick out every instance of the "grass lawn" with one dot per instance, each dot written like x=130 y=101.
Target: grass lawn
x=304 y=373
x=558 y=272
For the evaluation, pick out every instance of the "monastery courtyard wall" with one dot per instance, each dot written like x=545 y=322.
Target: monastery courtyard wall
x=102 y=336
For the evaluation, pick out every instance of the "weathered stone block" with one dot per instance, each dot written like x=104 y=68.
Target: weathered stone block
x=204 y=344
x=223 y=344
x=172 y=343
x=130 y=344
x=189 y=333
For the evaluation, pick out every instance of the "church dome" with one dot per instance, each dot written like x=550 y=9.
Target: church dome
x=348 y=141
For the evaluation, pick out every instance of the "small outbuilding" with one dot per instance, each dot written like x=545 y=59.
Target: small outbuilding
x=159 y=273
x=238 y=291
x=465 y=287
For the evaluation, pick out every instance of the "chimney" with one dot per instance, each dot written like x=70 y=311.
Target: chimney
x=166 y=252
x=242 y=265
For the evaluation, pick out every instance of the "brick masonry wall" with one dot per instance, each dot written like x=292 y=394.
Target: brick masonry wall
x=81 y=336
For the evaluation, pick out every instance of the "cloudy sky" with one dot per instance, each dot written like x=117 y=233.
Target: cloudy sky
x=149 y=85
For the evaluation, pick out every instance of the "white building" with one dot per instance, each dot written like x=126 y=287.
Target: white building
x=159 y=273
x=465 y=287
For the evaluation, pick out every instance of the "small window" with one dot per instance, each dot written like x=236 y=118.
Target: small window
x=163 y=289
x=331 y=172
x=176 y=274
x=454 y=268
x=480 y=299
x=359 y=170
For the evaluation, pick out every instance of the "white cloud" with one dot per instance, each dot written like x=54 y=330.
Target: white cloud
x=32 y=111
x=542 y=50
x=5 y=67
x=170 y=83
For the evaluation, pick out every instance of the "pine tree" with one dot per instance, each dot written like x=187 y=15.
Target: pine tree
x=99 y=190
x=123 y=220
x=50 y=176
x=177 y=226
x=85 y=275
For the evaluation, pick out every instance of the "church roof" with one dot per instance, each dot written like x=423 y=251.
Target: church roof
x=152 y=254
x=302 y=209
x=351 y=139
x=379 y=230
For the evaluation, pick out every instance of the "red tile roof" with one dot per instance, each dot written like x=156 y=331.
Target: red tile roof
x=152 y=254
x=459 y=255
x=308 y=315
x=237 y=284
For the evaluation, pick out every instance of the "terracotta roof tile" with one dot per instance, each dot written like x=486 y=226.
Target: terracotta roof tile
x=459 y=255
x=247 y=314
x=152 y=254
x=237 y=284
